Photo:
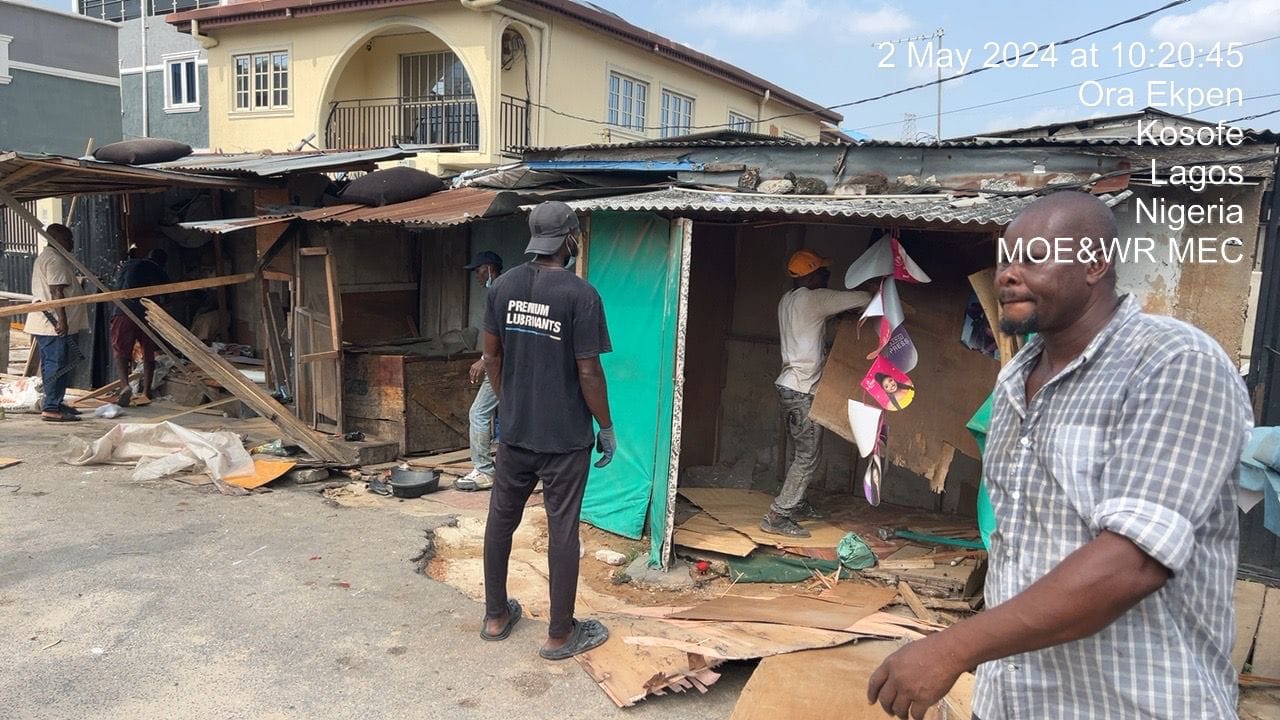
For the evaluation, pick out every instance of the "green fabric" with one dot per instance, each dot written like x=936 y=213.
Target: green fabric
x=978 y=426
x=760 y=567
x=629 y=265
x=854 y=554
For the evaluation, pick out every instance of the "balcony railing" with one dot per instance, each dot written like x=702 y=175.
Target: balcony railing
x=382 y=122
x=514 y=117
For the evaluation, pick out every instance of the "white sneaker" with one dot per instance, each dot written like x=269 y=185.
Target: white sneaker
x=474 y=480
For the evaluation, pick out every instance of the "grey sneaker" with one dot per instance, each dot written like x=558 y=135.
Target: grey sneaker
x=776 y=524
x=474 y=480
x=807 y=511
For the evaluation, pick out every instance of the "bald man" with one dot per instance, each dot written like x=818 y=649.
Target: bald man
x=1112 y=465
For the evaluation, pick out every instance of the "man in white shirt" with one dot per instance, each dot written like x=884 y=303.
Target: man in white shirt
x=54 y=278
x=802 y=320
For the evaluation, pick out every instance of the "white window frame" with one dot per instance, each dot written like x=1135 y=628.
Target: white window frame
x=182 y=59
x=5 y=77
x=741 y=121
x=272 y=76
x=670 y=108
x=638 y=120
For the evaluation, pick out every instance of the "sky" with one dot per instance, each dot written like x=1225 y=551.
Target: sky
x=826 y=51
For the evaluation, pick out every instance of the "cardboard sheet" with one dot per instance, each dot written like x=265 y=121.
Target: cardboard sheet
x=831 y=685
x=629 y=673
x=742 y=510
x=264 y=471
x=703 y=532
x=803 y=611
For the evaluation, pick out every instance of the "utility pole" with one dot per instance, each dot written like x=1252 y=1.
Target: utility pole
x=936 y=37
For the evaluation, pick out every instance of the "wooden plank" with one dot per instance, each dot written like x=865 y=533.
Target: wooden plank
x=335 y=336
x=913 y=601
x=1266 y=649
x=200 y=408
x=434 y=461
x=313 y=251
x=104 y=390
x=235 y=383
x=130 y=294
x=736 y=640
x=6 y=462
x=318 y=356
x=743 y=509
x=1249 y=601
x=869 y=597
x=703 y=532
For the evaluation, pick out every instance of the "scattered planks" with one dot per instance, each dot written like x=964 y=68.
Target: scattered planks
x=630 y=673
x=237 y=384
x=131 y=294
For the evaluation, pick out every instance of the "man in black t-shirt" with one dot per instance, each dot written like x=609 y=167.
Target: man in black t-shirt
x=544 y=332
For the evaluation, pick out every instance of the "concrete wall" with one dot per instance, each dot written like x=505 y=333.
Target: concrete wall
x=569 y=68
x=58 y=82
x=185 y=126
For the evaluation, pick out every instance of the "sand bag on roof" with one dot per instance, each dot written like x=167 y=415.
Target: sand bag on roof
x=390 y=186
x=142 y=151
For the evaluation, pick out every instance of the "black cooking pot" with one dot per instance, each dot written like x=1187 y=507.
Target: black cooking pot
x=414 y=483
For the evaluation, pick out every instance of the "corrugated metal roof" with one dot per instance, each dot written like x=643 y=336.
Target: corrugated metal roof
x=34 y=177
x=268 y=165
x=979 y=142
x=989 y=210
x=443 y=209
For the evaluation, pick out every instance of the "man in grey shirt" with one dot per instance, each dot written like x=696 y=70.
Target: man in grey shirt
x=1112 y=464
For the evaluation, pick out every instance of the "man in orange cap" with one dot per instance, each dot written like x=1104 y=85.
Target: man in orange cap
x=802 y=321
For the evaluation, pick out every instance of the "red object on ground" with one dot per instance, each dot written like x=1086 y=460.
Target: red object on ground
x=702 y=566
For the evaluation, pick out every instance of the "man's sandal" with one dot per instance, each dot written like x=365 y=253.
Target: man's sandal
x=587 y=635
x=513 y=616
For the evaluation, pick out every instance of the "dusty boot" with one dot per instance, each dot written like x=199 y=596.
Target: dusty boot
x=807 y=511
x=776 y=524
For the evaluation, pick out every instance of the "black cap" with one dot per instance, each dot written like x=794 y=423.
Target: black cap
x=484 y=257
x=549 y=224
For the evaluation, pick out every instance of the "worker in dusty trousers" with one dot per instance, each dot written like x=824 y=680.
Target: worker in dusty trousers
x=802 y=320
x=486 y=267
x=544 y=332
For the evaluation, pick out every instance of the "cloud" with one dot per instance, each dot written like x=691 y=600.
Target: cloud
x=883 y=21
x=1227 y=21
x=756 y=20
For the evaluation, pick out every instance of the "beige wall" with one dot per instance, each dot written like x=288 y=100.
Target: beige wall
x=568 y=65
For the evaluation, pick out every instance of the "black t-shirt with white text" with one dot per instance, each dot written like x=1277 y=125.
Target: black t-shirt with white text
x=547 y=319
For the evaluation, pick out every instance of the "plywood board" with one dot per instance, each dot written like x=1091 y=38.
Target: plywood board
x=703 y=532
x=742 y=510
x=1249 y=602
x=869 y=597
x=815 y=685
x=1266 y=653
x=264 y=471
x=440 y=459
x=629 y=673
x=737 y=640
x=797 y=610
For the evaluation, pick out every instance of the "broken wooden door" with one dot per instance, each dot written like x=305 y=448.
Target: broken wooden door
x=317 y=322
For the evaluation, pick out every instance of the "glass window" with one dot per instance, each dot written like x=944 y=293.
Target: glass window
x=262 y=81
x=740 y=122
x=183 y=92
x=628 y=99
x=677 y=114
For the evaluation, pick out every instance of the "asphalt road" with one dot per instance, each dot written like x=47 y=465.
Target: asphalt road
x=159 y=600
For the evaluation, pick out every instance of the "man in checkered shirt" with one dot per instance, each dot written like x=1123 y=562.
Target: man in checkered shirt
x=1112 y=465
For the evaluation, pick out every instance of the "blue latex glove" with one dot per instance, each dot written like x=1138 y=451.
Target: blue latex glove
x=606 y=445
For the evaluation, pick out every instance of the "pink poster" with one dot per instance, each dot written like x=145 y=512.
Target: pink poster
x=904 y=268
x=890 y=387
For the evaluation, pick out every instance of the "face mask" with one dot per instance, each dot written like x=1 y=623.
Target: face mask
x=489 y=282
x=574 y=247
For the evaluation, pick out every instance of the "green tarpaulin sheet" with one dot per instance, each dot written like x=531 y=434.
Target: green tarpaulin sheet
x=978 y=426
x=759 y=567
x=630 y=264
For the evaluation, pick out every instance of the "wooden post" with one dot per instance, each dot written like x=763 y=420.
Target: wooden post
x=26 y=216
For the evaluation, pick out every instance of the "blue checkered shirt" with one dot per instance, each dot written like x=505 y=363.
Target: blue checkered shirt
x=1140 y=435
